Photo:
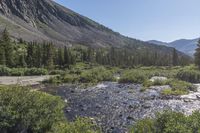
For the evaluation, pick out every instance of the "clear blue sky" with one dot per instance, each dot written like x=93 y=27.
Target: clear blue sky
x=164 y=20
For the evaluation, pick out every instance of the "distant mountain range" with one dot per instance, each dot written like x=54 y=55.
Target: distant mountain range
x=187 y=46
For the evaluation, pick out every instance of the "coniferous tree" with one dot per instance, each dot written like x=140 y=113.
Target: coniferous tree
x=50 y=56
x=30 y=51
x=22 y=62
x=6 y=40
x=2 y=54
x=197 y=55
x=175 y=58
x=60 y=57
x=38 y=56
x=66 y=56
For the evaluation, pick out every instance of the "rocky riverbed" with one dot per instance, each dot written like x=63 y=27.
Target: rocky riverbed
x=115 y=106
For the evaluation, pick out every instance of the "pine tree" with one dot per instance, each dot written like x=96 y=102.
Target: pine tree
x=66 y=56
x=197 y=55
x=22 y=62
x=30 y=51
x=2 y=55
x=50 y=56
x=6 y=40
x=60 y=57
x=175 y=58
x=38 y=56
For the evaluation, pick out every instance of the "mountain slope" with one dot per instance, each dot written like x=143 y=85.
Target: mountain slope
x=47 y=20
x=39 y=20
x=158 y=42
x=187 y=46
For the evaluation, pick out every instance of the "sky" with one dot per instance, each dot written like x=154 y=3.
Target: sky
x=164 y=20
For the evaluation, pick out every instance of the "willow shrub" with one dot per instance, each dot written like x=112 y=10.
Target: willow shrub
x=26 y=110
x=96 y=75
x=189 y=75
x=169 y=122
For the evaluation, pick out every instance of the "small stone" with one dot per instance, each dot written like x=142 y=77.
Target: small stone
x=130 y=118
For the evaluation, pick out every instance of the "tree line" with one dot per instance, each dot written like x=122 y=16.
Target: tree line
x=47 y=55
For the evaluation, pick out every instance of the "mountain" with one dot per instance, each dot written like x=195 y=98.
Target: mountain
x=187 y=46
x=157 y=42
x=45 y=20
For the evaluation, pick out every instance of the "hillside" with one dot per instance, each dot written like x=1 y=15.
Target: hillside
x=45 y=20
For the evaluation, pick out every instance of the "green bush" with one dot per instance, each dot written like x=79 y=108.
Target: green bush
x=80 y=125
x=4 y=71
x=96 y=75
x=149 y=83
x=54 y=80
x=56 y=72
x=17 y=72
x=178 y=87
x=26 y=110
x=189 y=75
x=70 y=78
x=169 y=122
x=35 y=72
x=133 y=76
x=174 y=92
x=144 y=126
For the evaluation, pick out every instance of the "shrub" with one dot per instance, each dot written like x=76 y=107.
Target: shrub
x=133 y=76
x=169 y=122
x=96 y=75
x=35 y=72
x=174 y=92
x=17 y=72
x=144 y=126
x=178 y=84
x=80 y=125
x=178 y=87
x=56 y=72
x=158 y=82
x=25 y=110
x=54 y=80
x=189 y=75
x=70 y=78
x=4 y=71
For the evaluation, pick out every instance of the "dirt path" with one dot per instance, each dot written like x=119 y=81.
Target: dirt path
x=23 y=80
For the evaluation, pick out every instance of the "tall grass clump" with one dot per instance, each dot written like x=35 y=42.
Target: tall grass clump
x=189 y=75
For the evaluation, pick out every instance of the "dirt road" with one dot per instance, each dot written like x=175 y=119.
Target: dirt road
x=23 y=80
